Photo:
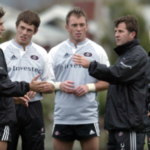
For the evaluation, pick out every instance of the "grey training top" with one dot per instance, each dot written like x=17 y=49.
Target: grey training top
x=70 y=109
x=25 y=65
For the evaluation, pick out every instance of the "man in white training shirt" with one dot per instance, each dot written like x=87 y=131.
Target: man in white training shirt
x=25 y=60
x=76 y=108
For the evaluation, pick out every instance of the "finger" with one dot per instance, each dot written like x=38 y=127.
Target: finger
x=70 y=86
x=78 y=89
x=79 y=94
x=35 y=78
x=42 y=83
x=26 y=98
x=69 y=90
x=77 y=62
x=33 y=94
x=71 y=82
x=29 y=94
x=77 y=55
x=75 y=58
x=25 y=103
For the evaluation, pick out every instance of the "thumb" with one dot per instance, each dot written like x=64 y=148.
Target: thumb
x=26 y=97
x=35 y=78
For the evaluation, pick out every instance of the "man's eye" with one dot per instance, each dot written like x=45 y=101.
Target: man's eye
x=74 y=25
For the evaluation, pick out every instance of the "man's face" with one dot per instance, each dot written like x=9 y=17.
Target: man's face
x=122 y=35
x=24 y=33
x=77 y=28
x=1 y=27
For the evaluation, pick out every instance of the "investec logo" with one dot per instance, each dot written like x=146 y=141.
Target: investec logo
x=66 y=66
x=14 y=68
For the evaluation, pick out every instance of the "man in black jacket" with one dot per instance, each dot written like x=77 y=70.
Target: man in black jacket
x=125 y=107
x=8 y=89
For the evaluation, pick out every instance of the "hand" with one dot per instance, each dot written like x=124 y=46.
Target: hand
x=148 y=114
x=81 y=90
x=80 y=60
x=22 y=100
x=67 y=87
x=48 y=88
x=31 y=94
x=37 y=86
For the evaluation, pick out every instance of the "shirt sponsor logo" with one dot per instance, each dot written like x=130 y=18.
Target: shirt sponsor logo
x=1 y=67
x=120 y=133
x=67 y=66
x=13 y=57
x=87 y=54
x=34 y=57
x=14 y=68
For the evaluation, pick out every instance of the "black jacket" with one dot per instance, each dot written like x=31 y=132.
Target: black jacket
x=125 y=105
x=147 y=120
x=9 y=89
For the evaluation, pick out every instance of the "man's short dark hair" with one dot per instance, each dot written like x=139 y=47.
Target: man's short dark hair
x=30 y=18
x=131 y=23
x=77 y=11
x=2 y=13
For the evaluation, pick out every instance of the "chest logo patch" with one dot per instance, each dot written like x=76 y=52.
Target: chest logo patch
x=120 y=133
x=66 y=55
x=34 y=57
x=13 y=57
x=87 y=54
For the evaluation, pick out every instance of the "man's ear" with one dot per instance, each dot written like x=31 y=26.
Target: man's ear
x=86 y=26
x=133 y=34
x=67 y=28
x=36 y=31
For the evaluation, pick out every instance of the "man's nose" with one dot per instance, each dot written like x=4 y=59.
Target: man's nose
x=3 y=28
x=116 y=34
x=78 y=28
x=24 y=31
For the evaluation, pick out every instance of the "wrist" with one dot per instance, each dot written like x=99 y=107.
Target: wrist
x=92 y=87
x=30 y=87
x=57 y=85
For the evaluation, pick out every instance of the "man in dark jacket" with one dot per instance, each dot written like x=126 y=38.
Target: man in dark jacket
x=9 y=89
x=125 y=107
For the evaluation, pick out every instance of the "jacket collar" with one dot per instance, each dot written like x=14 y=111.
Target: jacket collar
x=126 y=47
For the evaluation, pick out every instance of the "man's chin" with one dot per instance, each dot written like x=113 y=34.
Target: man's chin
x=79 y=40
x=118 y=44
